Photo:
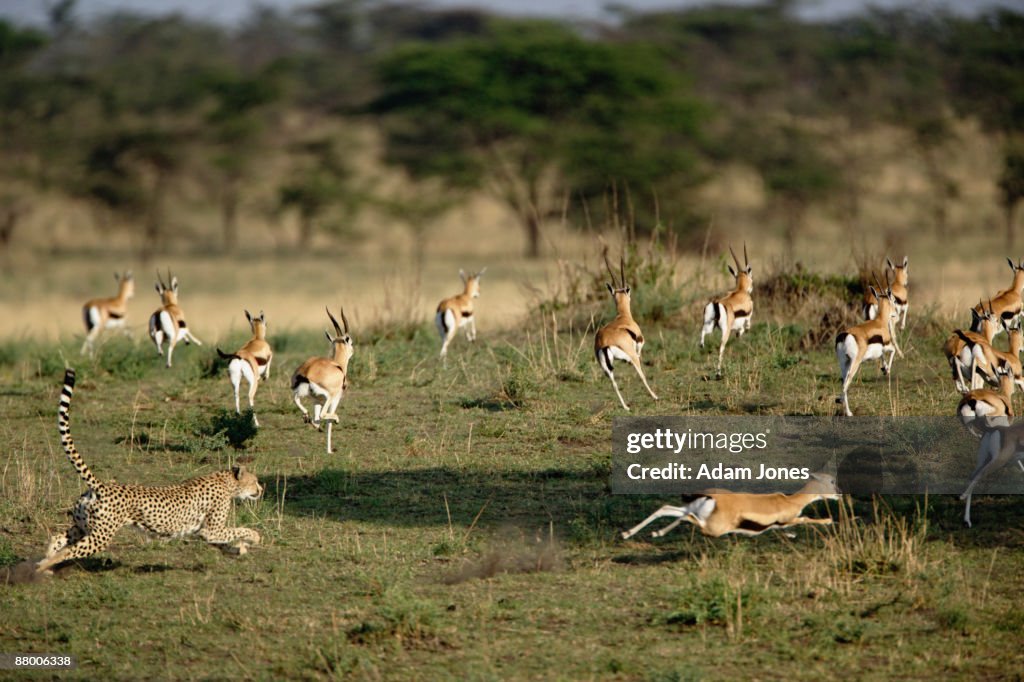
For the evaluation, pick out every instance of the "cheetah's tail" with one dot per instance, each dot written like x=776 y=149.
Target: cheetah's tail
x=64 y=426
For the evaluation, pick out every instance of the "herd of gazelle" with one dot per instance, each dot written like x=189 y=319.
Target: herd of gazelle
x=324 y=379
x=974 y=362
x=970 y=354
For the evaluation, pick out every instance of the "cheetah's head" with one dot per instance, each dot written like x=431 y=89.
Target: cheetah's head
x=249 y=487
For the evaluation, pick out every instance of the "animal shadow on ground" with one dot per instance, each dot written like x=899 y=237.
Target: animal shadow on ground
x=544 y=495
x=563 y=496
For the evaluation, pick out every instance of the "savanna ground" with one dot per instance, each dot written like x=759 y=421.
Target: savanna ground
x=464 y=527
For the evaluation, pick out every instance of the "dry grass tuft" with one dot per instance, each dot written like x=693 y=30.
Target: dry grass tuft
x=886 y=543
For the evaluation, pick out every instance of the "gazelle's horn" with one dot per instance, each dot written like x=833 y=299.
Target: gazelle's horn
x=337 y=327
x=607 y=264
x=160 y=280
x=735 y=259
x=746 y=261
x=344 y=320
x=622 y=270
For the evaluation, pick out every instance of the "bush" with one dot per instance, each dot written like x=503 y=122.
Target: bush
x=225 y=428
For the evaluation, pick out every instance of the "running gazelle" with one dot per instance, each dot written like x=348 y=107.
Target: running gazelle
x=868 y=341
x=991 y=407
x=900 y=293
x=325 y=378
x=999 y=446
x=720 y=512
x=732 y=312
x=457 y=311
x=970 y=353
x=168 y=322
x=107 y=313
x=1008 y=304
x=251 y=361
x=620 y=339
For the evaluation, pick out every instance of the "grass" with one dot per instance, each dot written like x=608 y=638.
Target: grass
x=464 y=528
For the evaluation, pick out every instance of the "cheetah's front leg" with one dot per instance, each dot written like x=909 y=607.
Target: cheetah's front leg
x=225 y=536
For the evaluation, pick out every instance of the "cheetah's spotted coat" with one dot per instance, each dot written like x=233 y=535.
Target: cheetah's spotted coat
x=199 y=506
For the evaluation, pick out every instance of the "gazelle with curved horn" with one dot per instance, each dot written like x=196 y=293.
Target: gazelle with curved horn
x=971 y=353
x=168 y=322
x=620 y=339
x=868 y=341
x=457 y=311
x=325 y=378
x=251 y=361
x=732 y=312
x=899 y=293
x=107 y=313
x=1008 y=305
x=984 y=326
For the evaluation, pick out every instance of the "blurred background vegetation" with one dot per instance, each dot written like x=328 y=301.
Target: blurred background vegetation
x=180 y=134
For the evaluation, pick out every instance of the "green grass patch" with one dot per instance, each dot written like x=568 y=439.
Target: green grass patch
x=465 y=518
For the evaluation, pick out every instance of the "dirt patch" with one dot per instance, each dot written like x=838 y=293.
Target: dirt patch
x=21 y=573
x=510 y=558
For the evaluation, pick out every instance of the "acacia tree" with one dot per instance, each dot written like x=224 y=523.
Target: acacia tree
x=130 y=173
x=320 y=179
x=150 y=85
x=796 y=175
x=532 y=113
x=19 y=124
x=1011 y=186
x=236 y=130
x=885 y=65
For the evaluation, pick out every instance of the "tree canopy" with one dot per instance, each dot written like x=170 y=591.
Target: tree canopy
x=535 y=113
x=128 y=112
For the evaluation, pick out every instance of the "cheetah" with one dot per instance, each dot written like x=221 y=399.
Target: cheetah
x=199 y=506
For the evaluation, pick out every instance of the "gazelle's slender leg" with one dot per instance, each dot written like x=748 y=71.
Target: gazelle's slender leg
x=605 y=359
x=170 y=350
x=667 y=510
x=851 y=371
x=252 y=395
x=635 y=361
x=298 y=402
x=725 y=325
